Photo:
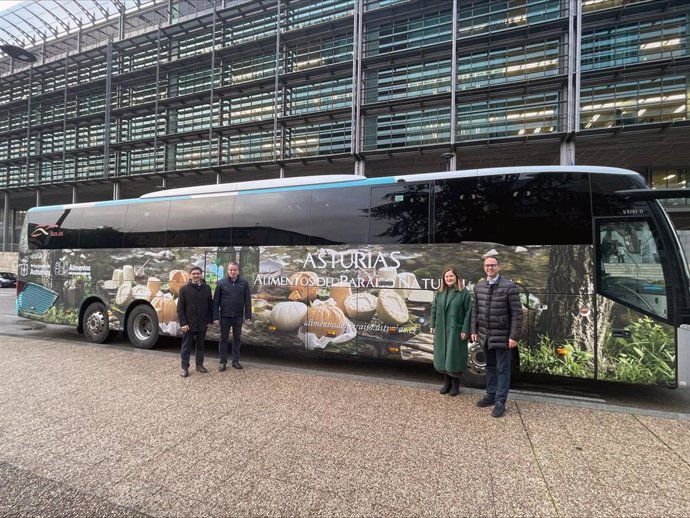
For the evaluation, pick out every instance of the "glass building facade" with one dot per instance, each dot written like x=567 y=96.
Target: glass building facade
x=171 y=93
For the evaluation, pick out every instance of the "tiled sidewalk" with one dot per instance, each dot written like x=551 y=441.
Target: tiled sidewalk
x=104 y=431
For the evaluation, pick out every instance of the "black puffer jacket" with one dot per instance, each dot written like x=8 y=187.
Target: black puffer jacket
x=496 y=313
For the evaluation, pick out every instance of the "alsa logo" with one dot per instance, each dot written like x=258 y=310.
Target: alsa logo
x=47 y=231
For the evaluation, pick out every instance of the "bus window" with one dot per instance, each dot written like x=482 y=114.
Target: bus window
x=524 y=209
x=54 y=228
x=203 y=221
x=399 y=214
x=278 y=218
x=339 y=216
x=102 y=226
x=630 y=265
x=145 y=224
x=606 y=203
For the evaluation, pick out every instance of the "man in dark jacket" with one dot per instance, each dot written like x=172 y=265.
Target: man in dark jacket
x=194 y=312
x=232 y=304
x=496 y=325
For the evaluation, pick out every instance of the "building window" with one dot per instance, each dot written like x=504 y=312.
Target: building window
x=634 y=102
x=409 y=33
x=405 y=129
x=248 y=147
x=411 y=80
x=494 y=66
x=319 y=52
x=190 y=155
x=482 y=16
x=250 y=69
x=318 y=139
x=250 y=29
x=319 y=96
x=248 y=108
x=633 y=43
x=509 y=117
x=317 y=11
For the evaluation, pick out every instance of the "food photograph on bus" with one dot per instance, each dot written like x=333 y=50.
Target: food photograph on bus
x=350 y=266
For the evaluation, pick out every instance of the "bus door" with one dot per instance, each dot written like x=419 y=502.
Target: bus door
x=635 y=341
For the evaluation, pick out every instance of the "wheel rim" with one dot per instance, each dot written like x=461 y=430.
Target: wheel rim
x=142 y=326
x=96 y=323
x=477 y=359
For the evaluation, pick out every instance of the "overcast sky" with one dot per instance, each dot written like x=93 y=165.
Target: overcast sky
x=4 y=4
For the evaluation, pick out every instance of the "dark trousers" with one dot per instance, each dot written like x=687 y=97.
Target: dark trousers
x=188 y=340
x=498 y=363
x=227 y=323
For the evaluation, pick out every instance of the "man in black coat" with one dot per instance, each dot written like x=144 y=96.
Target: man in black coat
x=232 y=304
x=496 y=325
x=194 y=312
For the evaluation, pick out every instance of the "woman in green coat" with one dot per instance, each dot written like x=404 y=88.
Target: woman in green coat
x=450 y=325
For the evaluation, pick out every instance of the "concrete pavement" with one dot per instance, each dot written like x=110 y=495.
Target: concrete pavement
x=104 y=431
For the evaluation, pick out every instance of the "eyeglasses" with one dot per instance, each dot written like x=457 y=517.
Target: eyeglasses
x=490 y=266
x=196 y=272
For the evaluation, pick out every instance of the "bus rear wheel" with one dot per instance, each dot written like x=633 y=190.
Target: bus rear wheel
x=96 y=327
x=475 y=374
x=142 y=327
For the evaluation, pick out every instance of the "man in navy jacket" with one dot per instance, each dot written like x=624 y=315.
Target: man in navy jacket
x=232 y=304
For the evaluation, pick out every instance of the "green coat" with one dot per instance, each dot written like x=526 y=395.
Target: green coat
x=450 y=314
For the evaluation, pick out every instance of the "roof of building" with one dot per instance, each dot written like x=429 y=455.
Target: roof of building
x=30 y=23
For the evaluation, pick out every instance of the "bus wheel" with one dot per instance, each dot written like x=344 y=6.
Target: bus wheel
x=96 y=328
x=142 y=327
x=475 y=374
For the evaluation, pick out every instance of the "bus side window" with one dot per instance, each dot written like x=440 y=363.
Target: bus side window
x=203 y=221
x=399 y=214
x=145 y=224
x=103 y=226
x=630 y=265
x=454 y=210
x=339 y=216
x=280 y=218
x=54 y=229
x=514 y=209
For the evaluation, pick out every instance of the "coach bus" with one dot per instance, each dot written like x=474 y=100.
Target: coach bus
x=349 y=265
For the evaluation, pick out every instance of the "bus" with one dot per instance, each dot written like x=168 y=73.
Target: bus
x=349 y=265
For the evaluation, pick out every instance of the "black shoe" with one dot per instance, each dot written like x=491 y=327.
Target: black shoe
x=184 y=372
x=446 y=386
x=236 y=365
x=221 y=367
x=499 y=409
x=202 y=369
x=485 y=401
x=455 y=386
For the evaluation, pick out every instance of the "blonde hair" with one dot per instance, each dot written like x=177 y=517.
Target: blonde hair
x=459 y=283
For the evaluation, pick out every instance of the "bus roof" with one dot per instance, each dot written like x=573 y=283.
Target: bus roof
x=333 y=180
x=253 y=185
x=329 y=181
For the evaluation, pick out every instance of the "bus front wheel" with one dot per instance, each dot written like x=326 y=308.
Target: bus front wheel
x=142 y=327
x=96 y=328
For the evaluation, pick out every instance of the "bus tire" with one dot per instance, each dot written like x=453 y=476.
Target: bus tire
x=142 y=327
x=475 y=374
x=96 y=325
x=472 y=378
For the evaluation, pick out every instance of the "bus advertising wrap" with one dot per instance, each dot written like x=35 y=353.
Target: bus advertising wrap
x=374 y=300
